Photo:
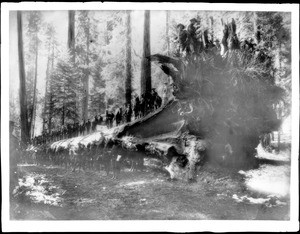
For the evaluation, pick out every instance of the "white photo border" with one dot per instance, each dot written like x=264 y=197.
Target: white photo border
x=130 y=226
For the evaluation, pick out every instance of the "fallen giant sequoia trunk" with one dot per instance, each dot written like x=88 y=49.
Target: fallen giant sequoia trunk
x=163 y=134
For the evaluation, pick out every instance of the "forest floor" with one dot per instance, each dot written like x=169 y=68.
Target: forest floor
x=54 y=193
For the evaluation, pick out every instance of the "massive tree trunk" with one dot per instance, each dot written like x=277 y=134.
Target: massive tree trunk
x=71 y=46
x=46 y=89
x=109 y=28
x=128 y=60
x=51 y=93
x=22 y=92
x=146 y=63
x=71 y=34
x=33 y=110
x=87 y=74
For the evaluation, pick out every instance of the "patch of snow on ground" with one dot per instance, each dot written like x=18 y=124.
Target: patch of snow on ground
x=270 y=201
x=37 y=188
x=135 y=183
x=250 y=199
x=26 y=165
x=282 y=156
x=269 y=179
x=141 y=182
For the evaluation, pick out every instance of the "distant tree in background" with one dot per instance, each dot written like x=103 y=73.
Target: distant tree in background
x=65 y=87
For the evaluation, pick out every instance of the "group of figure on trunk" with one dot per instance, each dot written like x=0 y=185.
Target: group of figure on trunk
x=148 y=102
x=195 y=39
x=69 y=131
x=140 y=107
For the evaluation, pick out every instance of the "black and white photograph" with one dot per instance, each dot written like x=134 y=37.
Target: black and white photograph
x=160 y=112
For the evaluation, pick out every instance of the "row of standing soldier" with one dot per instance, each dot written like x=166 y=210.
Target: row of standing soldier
x=69 y=130
x=141 y=107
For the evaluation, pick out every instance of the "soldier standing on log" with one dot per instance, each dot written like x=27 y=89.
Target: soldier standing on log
x=107 y=118
x=182 y=38
x=128 y=113
x=137 y=106
x=193 y=43
x=88 y=126
x=142 y=106
x=94 y=123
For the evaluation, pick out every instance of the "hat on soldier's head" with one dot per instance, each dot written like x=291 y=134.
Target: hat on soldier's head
x=193 y=20
x=180 y=26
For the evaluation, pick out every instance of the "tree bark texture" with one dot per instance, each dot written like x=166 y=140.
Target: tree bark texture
x=86 y=79
x=33 y=110
x=146 y=63
x=22 y=92
x=46 y=89
x=128 y=60
x=71 y=34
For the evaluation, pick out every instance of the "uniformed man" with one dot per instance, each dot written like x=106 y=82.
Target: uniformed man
x=224 y=44
x=192 y=39
x=88 y=126
x=107 y=118
x=216 y=49
x=136 y=108
x=143 y=106
x=119 y=116
x=182 y=39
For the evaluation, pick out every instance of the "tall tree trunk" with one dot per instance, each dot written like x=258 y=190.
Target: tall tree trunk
x=146 y=64
x=71 y=35
x=108 y=29
x=280 y=105
x=128 y=60
x=50 y=92
x=85 y=100
x=33 y=110
x=71 y=46
x=46 y=89
x=22 y=92
x=167 y=31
